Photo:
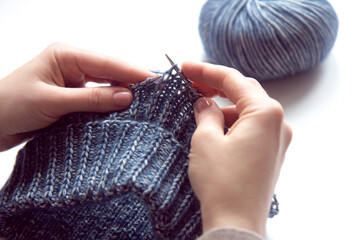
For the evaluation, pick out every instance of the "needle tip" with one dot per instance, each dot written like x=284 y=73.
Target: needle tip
x=169 y=59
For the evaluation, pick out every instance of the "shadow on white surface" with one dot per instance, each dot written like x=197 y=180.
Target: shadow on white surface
x=317 y=85
x=288 y=91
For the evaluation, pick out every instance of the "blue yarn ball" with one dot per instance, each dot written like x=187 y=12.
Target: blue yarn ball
x=268 y=39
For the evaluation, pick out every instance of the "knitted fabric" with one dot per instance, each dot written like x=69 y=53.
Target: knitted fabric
x=121 y=175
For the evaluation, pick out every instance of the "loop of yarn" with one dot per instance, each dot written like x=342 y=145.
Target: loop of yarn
x=268 y=39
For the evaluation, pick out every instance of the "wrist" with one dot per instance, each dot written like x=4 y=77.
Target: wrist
x=233 y=215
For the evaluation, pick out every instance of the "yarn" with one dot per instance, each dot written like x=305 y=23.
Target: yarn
x=120 y=175
x=268 y=39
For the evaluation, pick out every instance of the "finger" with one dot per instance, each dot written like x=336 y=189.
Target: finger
x=230 y=81
x=209 y=118
x=96 y=99
x=205 y=90
x=89 y=79
x=74 y=63
x=230 y=115
x=287 y=134
x=13 y=140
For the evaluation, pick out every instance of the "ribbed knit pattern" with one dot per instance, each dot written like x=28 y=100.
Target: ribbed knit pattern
x=109 y=176
x=121 y=175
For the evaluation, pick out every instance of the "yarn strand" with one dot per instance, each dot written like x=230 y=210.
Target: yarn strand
x=268 y=39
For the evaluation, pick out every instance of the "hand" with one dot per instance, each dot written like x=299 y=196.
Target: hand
x=53 y=84
x=234 y=174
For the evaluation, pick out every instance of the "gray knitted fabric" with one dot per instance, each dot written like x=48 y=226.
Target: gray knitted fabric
x=121 y=175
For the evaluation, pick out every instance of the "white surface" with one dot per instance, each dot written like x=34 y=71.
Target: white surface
x=319 y=186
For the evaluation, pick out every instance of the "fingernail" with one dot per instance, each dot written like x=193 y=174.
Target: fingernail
x=122 y=99
x=202 y=103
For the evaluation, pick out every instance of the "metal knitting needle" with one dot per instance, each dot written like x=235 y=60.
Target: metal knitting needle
x=169 y=59
x=177 y=69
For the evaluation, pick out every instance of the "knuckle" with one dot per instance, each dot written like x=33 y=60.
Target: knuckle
x=232 y=73
x=274 y=110
x=53 y=52
x=253 y=81
x=288 y=133
x=54 y=47
x=95 y=96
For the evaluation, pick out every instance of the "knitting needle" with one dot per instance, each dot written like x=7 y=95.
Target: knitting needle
x=177 y=69
x=169 y=59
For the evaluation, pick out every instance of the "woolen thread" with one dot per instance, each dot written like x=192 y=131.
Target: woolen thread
x=268 y=39
x=120 y=175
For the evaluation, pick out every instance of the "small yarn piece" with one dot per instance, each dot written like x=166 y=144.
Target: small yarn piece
x=120 y=175
x=268 y=39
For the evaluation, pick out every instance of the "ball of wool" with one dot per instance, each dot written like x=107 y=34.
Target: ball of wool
x=268 y=39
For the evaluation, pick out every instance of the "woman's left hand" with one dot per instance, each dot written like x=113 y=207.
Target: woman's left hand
x=53 y=84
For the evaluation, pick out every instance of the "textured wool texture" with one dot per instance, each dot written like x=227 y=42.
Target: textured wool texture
x=121 y=175
x=268 y=39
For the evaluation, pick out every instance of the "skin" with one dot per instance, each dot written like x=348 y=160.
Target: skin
x=52 y=85
x=232 y=174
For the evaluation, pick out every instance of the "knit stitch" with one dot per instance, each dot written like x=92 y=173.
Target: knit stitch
x=121 y=175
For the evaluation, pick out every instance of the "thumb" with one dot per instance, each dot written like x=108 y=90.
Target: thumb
x=96 y=99
x=209 y=117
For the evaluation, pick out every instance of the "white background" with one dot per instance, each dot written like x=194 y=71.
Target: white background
x=320 y=182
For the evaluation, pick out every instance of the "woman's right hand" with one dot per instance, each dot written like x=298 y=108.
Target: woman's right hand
x=234 y=174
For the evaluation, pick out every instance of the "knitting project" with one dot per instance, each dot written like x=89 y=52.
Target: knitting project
x=121 y=175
